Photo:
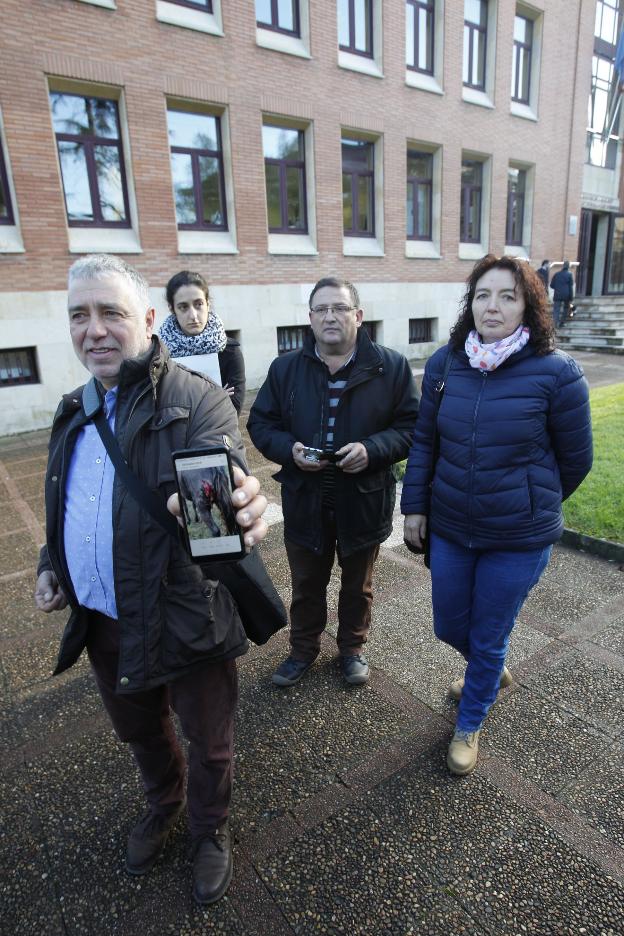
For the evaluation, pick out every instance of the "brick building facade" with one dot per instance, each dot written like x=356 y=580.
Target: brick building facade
x=491 y=92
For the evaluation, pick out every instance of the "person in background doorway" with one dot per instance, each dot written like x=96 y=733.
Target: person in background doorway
x=543 y=274
x=194 y=328
x=562 y=285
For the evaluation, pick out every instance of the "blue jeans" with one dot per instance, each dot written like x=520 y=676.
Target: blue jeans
x=477 y=595
x=560 y=311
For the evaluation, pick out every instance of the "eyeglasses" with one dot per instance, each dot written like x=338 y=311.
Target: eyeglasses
x=336 y=309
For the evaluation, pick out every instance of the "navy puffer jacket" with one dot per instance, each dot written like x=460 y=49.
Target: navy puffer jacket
x=514 y=443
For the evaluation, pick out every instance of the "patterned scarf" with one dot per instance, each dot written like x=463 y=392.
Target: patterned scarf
x=490 y=356
x=213 y=337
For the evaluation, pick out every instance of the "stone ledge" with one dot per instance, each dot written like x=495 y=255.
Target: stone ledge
x=606 y=549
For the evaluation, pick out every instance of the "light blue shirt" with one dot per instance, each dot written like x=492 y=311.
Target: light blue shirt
x=89 y=517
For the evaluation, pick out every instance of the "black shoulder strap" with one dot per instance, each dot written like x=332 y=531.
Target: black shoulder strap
x=93 y=406
x=439 y=390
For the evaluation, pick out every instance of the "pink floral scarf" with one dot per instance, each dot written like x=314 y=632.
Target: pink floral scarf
x=490 y=356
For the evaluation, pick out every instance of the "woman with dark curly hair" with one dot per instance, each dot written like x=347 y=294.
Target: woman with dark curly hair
x=194 y=328
x=512 y=440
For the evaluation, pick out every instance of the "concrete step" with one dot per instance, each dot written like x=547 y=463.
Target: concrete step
x=583 y=328
x=599 y=314
x=590 y=342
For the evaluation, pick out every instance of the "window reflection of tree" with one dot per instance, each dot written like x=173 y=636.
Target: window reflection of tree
x=89 y=150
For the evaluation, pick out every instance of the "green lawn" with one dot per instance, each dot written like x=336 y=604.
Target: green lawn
x=597 y=508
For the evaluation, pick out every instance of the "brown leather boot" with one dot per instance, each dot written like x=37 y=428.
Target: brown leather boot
x=148 y=838
x=212 y=865
x=456 y=687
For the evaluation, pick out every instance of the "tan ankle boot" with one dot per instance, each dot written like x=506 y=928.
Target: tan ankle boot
x=463 y=752
x=455 y=689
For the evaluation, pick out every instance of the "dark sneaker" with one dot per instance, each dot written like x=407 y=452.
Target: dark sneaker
x=355 y=669
x=212 y=865
x=290 y=671
x=148 y=838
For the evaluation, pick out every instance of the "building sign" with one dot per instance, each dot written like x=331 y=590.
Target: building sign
x=599 y=202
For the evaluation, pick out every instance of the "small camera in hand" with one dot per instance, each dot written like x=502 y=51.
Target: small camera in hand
x=318 y=455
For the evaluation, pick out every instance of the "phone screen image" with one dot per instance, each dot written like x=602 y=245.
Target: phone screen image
x=205 y=492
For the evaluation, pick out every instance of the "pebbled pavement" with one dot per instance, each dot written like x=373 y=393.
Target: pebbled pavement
x=344 y=816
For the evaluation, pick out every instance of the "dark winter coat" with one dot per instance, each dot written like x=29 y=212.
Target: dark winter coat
x=232 y=369
x=543 y=275
x=378 y=407
x=563 y=285
x=171 y=617
x=514 y=443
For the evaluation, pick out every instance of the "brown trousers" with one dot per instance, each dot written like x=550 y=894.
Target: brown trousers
x=204 y=701
x=310 y=574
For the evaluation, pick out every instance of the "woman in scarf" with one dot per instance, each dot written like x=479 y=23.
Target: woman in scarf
x=193 y=328
x=514 y=436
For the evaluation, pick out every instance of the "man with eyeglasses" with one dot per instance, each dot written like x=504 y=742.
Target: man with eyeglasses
x=336 y=415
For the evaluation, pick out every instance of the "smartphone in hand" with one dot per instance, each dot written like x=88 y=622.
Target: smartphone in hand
x=205 y=484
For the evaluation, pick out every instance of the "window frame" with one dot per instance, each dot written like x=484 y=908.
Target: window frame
x=355 y=175
x=416 y=182
x=430 y=7
x=4 y=182
x=473 y=27
x=287 y=330
x=466 y=190
x=295 y=32
x=528 y=47
x=513 y=199
x=413 y=324
x=203 y=6
x=351 y=48
x=283 y=165
x=31 y=352
x=195 y=153
x=89 y=142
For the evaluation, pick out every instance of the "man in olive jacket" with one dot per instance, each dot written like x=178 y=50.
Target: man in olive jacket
x=157 y=633
x=355 y=402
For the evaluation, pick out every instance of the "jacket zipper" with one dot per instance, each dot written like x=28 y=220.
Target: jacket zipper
x=473 y=449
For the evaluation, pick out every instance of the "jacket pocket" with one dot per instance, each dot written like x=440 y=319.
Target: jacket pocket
x=190 y=628
x=375 y=481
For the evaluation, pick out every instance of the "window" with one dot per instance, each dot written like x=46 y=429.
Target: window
x=516 y=193
x=471 y=195
x=197 y=170
x=198 y=15
x=280 y=15
x=602 y=124
x=419 y=195
x=371 y=329
x=18 y=366
x=290 y=338
x=91 y=159
x=204 y=5
x=419 y=35
x=284 y=170
x=358 y=183
x=421 y=330
x=355 y=26
x=475 y=42
x=6 y=209
x=521 y=60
